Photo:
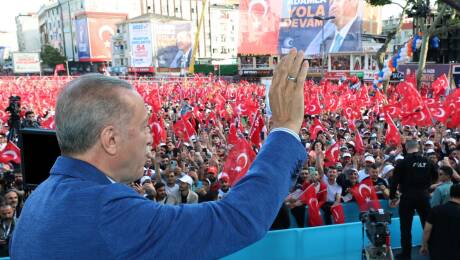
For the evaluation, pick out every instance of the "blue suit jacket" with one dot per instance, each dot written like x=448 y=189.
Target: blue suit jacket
x=78 y=214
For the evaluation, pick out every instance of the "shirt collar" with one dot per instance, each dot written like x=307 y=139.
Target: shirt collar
x=344 y=31
x=78 y=169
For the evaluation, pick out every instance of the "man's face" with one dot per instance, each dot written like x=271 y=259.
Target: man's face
x=343 y=10
x=184 y=41
x=171 y=178
x=136 y=140
x=224 y=184
x=161 y=193
x=12 y=199
x=373 y=173
x=30 y=117
x=332 y=174
x=2 y=139
x=433 y=158
x=183 y=186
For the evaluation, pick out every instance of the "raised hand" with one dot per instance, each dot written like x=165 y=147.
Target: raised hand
x=287 y=92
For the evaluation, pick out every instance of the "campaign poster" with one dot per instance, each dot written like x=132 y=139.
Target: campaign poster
x=259 y=26
x=81 y=26
x=174 y=44
x=141 y=44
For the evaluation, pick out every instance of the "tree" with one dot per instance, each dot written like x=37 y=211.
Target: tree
x=51 y=56
x=381 y=53
x=420 y=11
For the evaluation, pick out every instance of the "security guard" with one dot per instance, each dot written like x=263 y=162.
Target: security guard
x=414 y=175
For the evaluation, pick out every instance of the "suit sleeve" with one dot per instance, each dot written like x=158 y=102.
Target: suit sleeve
x=137 y=228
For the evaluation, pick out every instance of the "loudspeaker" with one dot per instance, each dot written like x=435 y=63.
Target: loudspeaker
x=39 y=151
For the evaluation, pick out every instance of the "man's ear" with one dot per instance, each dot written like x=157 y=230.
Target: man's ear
x=110 y=140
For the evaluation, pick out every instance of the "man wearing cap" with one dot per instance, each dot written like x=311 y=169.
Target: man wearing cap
x=364 y=173
x=413 y=177
x=185 y=194
x=224 y=186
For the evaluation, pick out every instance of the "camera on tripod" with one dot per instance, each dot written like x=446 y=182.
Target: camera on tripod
x=14 y=121
x=376 y=224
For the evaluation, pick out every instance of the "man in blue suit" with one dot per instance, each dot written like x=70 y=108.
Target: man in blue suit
x=85 y=210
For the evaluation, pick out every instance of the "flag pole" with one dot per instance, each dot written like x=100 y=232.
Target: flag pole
x=191 y=68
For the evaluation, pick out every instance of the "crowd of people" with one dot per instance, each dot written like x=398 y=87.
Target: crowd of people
x=189 y=163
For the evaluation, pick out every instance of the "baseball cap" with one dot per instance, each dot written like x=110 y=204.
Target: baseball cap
x=346 y=155
x=430 y=151
x=224 y=177
x=187 y=179
x=387 y=168
x=145 y=179
x=369 y=159
x=351 y=143
x=429 y=142
x=212 y=170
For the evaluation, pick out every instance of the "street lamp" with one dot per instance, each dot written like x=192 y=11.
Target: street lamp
x=323 y=44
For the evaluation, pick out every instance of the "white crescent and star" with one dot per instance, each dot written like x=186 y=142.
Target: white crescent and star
x=239 y=168
x=364 y=186
x=12 y=153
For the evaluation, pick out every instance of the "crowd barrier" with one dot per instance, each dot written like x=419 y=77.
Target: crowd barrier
x=351 y=212
x=326 y=242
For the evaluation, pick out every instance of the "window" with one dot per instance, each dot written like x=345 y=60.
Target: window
x=340 y=62
x=246 y=61
x=262 y=61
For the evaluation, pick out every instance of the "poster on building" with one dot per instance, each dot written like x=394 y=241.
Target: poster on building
x=81 y=27
x=26 y=62
x=274 y=27
x=174 y=44
x=430 y=74
x=259 y=26
x=101 y=30
x=141 y=44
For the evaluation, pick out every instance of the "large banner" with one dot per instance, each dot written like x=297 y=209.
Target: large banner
x=26 y=62
x=141 y=44
x=81 y=26
x=274 y=27
x=101 y=30
x=174 y=44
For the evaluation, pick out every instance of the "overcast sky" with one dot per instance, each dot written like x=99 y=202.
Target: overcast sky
x=11 y=8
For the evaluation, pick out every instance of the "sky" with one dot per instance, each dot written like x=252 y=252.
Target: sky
x=11 y=8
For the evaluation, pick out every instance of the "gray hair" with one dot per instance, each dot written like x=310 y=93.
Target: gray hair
x=84 y=107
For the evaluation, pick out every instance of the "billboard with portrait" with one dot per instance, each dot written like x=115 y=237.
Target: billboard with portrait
x=174 y=44
x=81 y=27
x=140 y=40
x=274 y=27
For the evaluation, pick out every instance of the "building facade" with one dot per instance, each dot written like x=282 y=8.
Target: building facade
x=27 y=33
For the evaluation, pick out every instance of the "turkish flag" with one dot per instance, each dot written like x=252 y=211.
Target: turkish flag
x=332 y=155
x=232 y=136
x=421 y=116
x=439 y=112
x=315 y=128
x=11 y=153
x=314 y=213
x=48 y=123
x=337 y=214
x=359 y=145
x=158 y=131
x=238 y=161
x=393 y=110
x=256 y=130
x=439 y=86
x=365 y=195
x=392 y=136
x=184 y=129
